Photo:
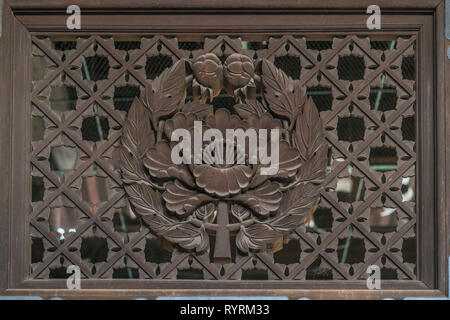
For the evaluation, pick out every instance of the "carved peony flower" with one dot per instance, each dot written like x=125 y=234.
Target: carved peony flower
x=222 y=181
x=208 y=74
x=231 y=176
x=185 y=200
x=289 y=159
x=239 y=72
x=223 y=120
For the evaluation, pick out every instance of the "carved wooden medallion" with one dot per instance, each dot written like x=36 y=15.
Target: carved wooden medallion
x=186 y=203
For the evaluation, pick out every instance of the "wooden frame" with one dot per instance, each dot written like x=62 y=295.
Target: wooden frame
x=21 y=18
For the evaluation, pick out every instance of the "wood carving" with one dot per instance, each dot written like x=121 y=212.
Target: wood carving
x=186 y=203
x=367 y=97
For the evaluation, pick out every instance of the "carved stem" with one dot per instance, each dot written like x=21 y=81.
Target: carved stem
x=160 y=131
x=222 y=252
x=286 y=131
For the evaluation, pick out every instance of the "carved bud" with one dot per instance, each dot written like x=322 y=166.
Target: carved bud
x=239 y=70
x=208 y=72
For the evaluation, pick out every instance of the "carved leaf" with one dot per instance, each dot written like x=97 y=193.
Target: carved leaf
x=289 y=161
x=131 y=168
x=239 y=212
x=166 y=92
x=205 y=212
x=260 y=234
x=137 y=138
x=313 y=169
x=252 y=107
x=256 y=237
x=144 y=199
x=284 y=96
x=309 y=134
x=201 y=110
x=262 y=200
x=137 y=134
x=298 y=200
x=309 y=139
x=181 y=200
x=160 y=165
x=182 y=233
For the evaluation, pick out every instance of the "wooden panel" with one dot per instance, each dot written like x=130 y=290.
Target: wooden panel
x=324 y=247
x=166 y=23
x=20 y=136
x=223 y=4
x=429 y=216
x=5 y=145
x=442 y=154
x=291 y=294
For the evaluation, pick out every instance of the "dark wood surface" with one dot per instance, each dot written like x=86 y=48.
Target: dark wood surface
x=5 y=144
x=224 y=4
x=433 y=201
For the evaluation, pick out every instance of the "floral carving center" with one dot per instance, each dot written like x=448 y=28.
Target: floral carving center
x=185 y=202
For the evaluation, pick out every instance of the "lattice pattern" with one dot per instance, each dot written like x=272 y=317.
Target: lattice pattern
x=82 y=90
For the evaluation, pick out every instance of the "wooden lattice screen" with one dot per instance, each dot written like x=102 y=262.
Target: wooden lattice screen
x=66 y=97
x=364 y=89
